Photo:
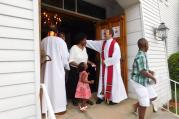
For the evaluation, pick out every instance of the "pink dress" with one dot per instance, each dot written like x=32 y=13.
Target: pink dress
x=83 y=89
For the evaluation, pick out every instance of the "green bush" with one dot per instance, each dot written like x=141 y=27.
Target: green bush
x=173 y=64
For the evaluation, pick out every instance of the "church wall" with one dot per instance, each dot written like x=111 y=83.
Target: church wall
x=157 y=53
x=18 y=88
x=134 y=32
x=169 y=11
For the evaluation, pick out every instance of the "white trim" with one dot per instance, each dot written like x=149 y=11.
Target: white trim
x=36 y=14
x=142 y=19
x=49 y=113
x=70 y=12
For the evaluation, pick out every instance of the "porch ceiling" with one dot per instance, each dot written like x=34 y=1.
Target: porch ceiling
x=107 y=3
x=102 y=3
x=127 y=3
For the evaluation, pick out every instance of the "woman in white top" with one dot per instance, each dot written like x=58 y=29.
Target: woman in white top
x=78 y=54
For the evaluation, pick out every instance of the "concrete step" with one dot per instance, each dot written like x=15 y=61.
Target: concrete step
x=124 y=110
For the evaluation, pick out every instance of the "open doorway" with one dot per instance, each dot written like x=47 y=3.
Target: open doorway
x=82 y=19
x=72 y=25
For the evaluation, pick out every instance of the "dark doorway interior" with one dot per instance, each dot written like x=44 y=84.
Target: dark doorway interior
x=71 y=26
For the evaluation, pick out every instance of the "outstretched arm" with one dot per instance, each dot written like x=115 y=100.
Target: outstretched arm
x=95 y=45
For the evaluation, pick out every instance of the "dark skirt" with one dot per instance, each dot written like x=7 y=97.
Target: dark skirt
x=72 y=82
x=92 y=76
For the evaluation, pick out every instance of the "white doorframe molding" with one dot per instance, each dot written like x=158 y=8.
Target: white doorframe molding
x=36 y=15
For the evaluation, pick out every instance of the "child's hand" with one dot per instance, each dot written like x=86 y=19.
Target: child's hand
x=93 y=65
x=92 y=82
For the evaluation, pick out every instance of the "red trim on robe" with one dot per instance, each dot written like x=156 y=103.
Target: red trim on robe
x=108 y=91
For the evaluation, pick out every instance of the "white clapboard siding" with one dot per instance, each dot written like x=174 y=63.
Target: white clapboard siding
x=156 y=52
x=16 y=22
x=11 y=67
x=157 y=60
x=17 y=113
x=9 y=32
x=169 y=15
x=16 y=55
x=16 y=78
x=16 y=44
x=27 y=4
x=157 y=49
x=16 y=102
x=17 y=60
x=15 y=11
x=17 y=90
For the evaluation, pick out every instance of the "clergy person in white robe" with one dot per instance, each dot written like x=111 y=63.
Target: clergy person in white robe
x=54 y=72
x=116 y=89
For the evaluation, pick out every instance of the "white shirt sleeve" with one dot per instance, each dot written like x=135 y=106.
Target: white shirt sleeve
x=95 y=45
x=115 y=57
x=72 y=54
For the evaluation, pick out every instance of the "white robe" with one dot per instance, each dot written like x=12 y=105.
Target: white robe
x=118 y=89
x=54 y=73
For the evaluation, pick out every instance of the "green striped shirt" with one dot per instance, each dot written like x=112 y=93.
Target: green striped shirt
x=140 y=63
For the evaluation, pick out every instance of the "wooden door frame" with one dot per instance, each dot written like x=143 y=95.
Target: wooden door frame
x=123 y=33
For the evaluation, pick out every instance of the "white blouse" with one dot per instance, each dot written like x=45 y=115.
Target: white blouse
x=78 y=55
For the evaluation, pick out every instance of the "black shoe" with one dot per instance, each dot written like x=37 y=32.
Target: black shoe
x=99 y=101
x=75 y=102
x=112 y=103
x=90 y=102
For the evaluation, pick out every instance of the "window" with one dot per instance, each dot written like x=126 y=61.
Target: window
x=69 y=5
x=82 y=7
x=56 y=3
x=91 y=10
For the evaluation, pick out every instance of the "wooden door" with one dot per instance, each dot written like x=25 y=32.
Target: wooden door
x=119 y=24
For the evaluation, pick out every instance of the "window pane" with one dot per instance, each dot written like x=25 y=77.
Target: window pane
x=91 y=10
x=69 y=5
x=57 y=3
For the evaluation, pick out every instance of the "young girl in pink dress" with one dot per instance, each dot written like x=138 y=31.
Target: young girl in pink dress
x=83 y=91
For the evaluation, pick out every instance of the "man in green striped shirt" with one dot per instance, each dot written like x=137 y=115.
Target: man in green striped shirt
x=140 y=79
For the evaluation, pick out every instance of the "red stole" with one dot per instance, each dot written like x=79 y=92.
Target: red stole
x=107 y=95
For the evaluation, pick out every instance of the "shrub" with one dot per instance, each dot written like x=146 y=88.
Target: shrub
x=173 y=64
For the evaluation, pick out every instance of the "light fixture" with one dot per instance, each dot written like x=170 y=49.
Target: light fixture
x=161 y=32
x=50 y=18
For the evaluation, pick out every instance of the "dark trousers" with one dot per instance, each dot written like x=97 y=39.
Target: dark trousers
x=72 y=82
